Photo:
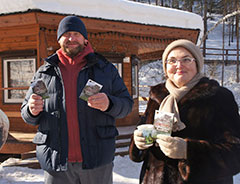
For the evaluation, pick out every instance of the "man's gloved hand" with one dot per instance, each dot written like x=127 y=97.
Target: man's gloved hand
x=140 y=141
x=173 y=147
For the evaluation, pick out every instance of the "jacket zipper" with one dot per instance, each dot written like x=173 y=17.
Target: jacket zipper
x=59 y=117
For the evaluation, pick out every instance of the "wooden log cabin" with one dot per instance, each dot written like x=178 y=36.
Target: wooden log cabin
x=28 y=36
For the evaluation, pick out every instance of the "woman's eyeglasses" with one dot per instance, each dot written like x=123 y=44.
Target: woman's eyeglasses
x=184 y=61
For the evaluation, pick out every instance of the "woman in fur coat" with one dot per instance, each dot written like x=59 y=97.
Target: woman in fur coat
x=204 y=147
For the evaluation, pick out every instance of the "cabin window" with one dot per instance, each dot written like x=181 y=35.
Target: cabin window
x=119 y=68
x=17 y=76
x=134 y=78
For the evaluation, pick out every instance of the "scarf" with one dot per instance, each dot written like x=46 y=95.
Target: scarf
x=169 y=103
x=70 y=68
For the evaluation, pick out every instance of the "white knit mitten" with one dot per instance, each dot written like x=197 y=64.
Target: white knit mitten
x=173 y=147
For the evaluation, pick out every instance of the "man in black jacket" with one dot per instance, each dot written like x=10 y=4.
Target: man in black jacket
x=76 y=135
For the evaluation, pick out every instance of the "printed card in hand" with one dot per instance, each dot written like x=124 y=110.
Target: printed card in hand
x=40 y=88
x=163 y=122
x=91 y=88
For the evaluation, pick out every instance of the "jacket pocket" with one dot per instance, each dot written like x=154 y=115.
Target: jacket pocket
x=46 y=156
x=40 y=138
x=107 y=131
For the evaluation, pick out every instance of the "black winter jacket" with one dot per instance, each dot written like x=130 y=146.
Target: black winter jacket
x=97 y=128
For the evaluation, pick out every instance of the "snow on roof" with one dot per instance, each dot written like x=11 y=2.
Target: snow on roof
x=120 y=10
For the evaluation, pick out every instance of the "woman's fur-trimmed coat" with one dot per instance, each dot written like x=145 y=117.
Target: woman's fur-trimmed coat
x=212 y=121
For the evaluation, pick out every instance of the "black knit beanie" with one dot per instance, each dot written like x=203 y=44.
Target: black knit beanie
x=71 y=23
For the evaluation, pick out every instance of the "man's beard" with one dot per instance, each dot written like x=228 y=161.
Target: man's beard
x=73 y=51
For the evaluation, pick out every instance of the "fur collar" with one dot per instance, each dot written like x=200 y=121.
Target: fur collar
x=204 y=89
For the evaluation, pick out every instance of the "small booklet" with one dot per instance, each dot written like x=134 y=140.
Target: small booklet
x=91 y=88
x=40 y=88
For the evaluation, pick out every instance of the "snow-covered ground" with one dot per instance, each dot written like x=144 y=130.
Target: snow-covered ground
x=125 y=172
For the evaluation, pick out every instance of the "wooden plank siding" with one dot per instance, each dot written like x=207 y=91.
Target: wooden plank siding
x=100 y=26
x=131 y=119
x=127 y=76
x=18 y=19
x=139 y=29
x=18 y=38
x=18 y=143
x=18 y=33
x=17 y=124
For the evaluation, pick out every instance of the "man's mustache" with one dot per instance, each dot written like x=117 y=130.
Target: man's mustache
x=71 y=43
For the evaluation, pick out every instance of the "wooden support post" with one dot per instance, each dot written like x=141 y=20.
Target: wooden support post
x=223 y=42
x=223 y=33
x=237 y=34
x=205 y=27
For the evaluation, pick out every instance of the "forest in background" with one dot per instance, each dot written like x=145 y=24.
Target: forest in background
x=197 y=6
x=206 y=9
x=227 y=12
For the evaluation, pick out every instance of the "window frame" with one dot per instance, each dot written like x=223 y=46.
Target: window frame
x=135 y=83
x=118 y=67
x=5 y=75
